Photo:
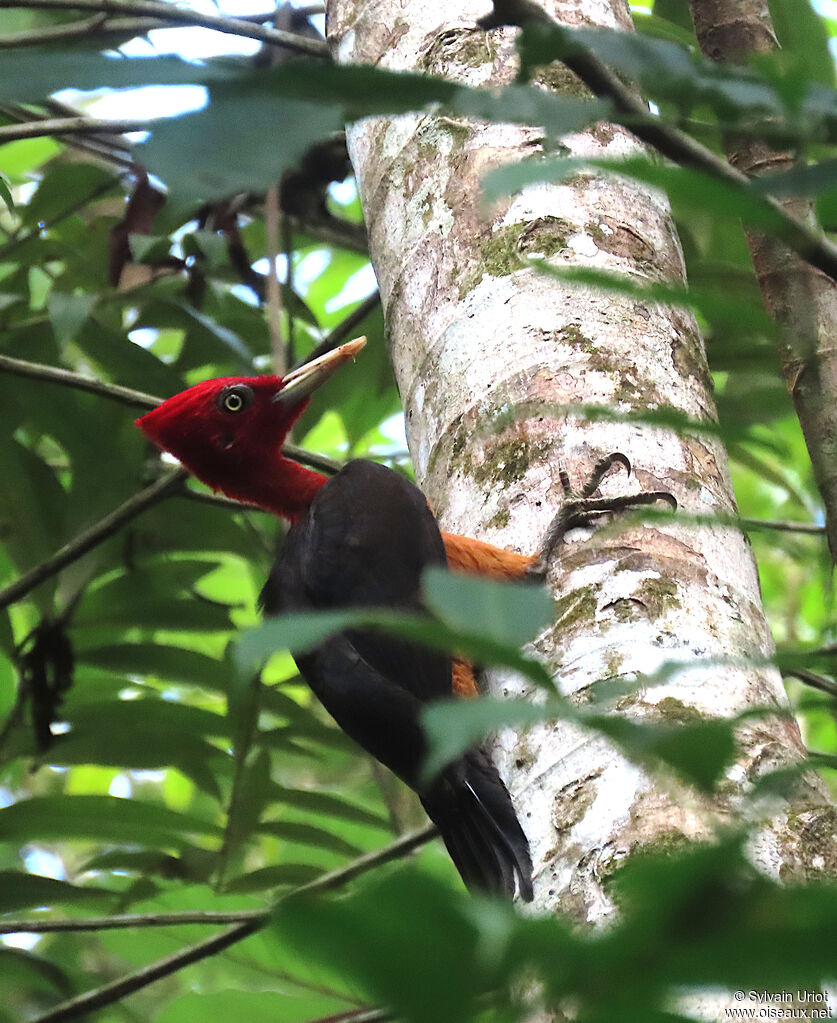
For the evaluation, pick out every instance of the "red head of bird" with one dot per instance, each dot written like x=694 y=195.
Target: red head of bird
x=229 y=432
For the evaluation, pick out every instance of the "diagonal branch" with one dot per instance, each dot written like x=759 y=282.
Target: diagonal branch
x=125 y=921
x=92 y=537
x=343 y=329
x=666 y=139
x=170 y=13
x=56 y=375
x=99 y=25
x=110 y=993
x=68 y=126
x=814 y=680
x=138 y=399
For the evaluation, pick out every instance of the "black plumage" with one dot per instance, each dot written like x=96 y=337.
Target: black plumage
x=363 y=542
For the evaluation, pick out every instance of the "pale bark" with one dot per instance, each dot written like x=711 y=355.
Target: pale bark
x=475 y=335
x=800 y=298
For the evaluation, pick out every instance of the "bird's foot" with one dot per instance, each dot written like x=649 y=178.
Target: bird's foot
x=580 y=508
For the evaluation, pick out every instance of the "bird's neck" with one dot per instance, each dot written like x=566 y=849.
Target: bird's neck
x=286 y=489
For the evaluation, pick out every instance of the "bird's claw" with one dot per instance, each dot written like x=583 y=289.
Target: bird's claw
x=580 y=507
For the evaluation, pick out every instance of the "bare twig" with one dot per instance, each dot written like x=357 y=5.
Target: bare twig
x=204 y=497
x=68 y=126
x=21 y=239
x=107 y=994
x=138 y=399
x=92 y=537
x=666 y=139
x=364 y=1015
x=53 y=374
x=171 y=13
x=110 y=993
x=273 y=290
x=783 y=526
x=105 y=145
x=814 y=680
x=333 y=231
x=124 y=921
x=245 y=731
x=343 y=329
x=100 y=25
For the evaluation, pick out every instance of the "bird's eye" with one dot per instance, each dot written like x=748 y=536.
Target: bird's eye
x=235 y=398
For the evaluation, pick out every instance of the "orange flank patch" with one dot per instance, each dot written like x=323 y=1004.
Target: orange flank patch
x=479 y=558
x=475 y=557
x=464 y=682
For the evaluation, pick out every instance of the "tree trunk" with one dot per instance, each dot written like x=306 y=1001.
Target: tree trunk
x=489 y=354
x=799 y=297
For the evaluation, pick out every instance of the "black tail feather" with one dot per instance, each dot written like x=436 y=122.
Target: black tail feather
x=474 y=813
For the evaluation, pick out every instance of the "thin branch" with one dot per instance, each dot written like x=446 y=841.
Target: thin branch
x=21 y=239
x=56 y=375
x=666 y=139
x=333 y=231
x=100 y=25
x=244 y=735
x=107 y=994
x=113 y=992
x=68 y=126
x=170 y=13
x=343 y=329
x=138 y=399
x=273 y=290
x=811 y=528
x=364 y=1015
x=104 y=145
x=92 y=537
x=124 y=921
x=310 y=458
x=204 y=497
x=814 y=680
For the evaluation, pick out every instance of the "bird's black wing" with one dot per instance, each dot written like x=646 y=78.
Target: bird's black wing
x=364 y=542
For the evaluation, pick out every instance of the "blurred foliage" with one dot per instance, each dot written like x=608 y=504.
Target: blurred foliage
x=178 y=777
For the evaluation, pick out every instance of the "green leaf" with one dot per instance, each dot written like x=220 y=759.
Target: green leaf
x=68 y=314
x=33 y=73
x=140 y=734
x=326 y=804
x=98 y=818
x=172 y=663
x=302 y=632
x=697 y=752
x=153 y=597
x=309 y=834
x=27 y=972
x=283 y=875
x=6 y=194
x=373 y=937
x=804 y=179
x=198 y=156
x=690 y=188
x=64 y=188
x=720 y=311
x=32 y=504
x=19 y=890
x=455 y=725
x=802 y=32
x=508 y=613
x=254 y=1006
